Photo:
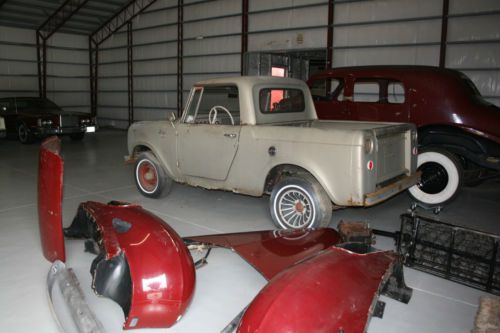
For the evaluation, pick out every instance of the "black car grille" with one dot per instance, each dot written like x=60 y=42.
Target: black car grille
x=69 y=121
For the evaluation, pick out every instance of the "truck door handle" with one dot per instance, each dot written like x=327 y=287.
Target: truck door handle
x=230 y=135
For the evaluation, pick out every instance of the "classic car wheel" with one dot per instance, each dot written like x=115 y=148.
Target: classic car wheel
x=24 y=134
x=77 y=136
x=300 y=202
x=441 y=177
x=150 y=177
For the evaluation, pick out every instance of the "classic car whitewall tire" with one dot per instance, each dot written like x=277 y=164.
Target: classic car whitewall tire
x=150 y=178
x=441 y=177
x=24 y=134
x=300 y=202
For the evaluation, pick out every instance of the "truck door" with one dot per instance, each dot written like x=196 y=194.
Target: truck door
x=208 y=134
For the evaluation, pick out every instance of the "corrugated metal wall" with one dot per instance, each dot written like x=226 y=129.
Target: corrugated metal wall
x=365 y=32
x=67 y=67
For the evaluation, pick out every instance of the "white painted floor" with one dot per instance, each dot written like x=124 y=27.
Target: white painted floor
x=94 y=170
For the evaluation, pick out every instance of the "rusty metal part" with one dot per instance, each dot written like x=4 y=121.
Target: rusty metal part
x=460 y=254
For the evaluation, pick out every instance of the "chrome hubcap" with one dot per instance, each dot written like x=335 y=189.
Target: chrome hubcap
x=295 y=208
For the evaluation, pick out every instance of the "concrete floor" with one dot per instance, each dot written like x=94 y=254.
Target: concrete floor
x=94 y=170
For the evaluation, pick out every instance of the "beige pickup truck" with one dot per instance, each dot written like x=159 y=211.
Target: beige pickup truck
x=261 y=135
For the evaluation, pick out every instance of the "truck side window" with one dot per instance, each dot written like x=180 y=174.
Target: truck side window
x=366 y=91
x=328 y=89
x=204 y=99
x=395 y=92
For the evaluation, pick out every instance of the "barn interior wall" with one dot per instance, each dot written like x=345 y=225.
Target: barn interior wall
x=18 y=63
x=365 y=33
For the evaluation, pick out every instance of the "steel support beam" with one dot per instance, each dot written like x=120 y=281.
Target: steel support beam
x=49 y=27
x=41 y=55
x=180 y=41
x=120 y=19
x=130 y=73
x=444 y=34
x=329 y=34
x=244 y=33
x=93 y=74
x=115 y=23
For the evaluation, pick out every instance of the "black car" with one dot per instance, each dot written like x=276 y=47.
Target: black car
x=31 y=117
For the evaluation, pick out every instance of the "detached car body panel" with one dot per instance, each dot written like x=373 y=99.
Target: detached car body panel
x=30 y=117
x=144 y=266
x=267 y=125
x=50 y=190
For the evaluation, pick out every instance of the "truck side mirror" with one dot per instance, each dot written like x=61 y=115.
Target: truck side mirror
x=172 y=117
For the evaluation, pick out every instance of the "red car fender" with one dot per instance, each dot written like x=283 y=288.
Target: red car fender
x=333 y=291
x=50 y=189
x=138 y=247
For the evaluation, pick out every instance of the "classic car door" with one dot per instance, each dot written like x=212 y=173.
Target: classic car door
x=379 y=100
x=206 y=146
x=328 y=96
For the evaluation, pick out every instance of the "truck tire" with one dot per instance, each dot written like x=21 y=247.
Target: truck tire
x=150 y=178
x=441 y=178
x=300 y=202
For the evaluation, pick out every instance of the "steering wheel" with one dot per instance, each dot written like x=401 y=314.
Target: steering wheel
x=212 y=115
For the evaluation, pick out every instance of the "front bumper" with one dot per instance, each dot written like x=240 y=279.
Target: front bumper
x=45 y=131
x=391 y=189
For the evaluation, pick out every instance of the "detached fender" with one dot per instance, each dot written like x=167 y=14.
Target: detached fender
x=143 y=264
x=333 y=291
x=50 y=190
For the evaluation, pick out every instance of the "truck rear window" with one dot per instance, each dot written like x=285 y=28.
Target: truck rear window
x=279 y=100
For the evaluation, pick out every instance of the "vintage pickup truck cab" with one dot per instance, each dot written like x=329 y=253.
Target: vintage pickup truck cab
x=261 y=135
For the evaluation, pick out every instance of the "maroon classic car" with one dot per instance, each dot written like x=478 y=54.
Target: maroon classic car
x=31 y=117
x=459 y=132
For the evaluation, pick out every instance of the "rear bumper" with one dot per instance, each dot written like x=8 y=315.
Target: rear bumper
x=390 y=190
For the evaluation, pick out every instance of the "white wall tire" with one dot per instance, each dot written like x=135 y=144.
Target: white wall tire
x=150 y=178
x=300 y=202
x=441 y=177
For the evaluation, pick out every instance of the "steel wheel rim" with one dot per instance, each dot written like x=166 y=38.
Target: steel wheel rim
x=295 y=208
x=147 y=176
x=434 y=178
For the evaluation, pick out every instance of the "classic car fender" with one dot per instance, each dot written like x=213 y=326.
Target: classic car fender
x=271 y=252
x=334 y=291
x=50 y=190
x=143 y=264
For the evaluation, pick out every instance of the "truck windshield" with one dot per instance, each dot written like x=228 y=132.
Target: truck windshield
x=281 y=100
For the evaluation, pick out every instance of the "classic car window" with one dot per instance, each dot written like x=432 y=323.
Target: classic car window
x=204 y=99
x=366 y=91
x=37 y=104
x=395 y=92
x=274 y=100
x=328 y=89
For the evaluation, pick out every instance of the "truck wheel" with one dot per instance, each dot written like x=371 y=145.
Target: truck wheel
x=441 y=177
x=150 y=177
x=24 y=134
x=300 y=202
